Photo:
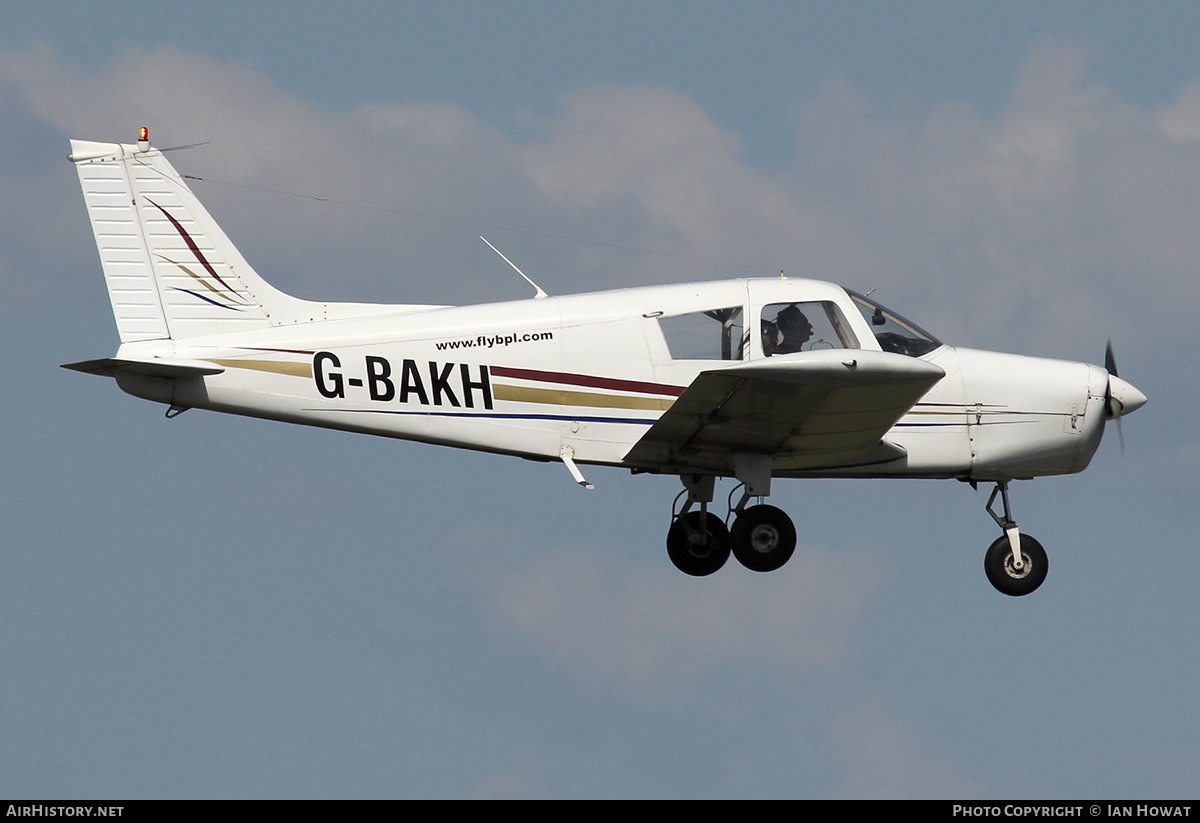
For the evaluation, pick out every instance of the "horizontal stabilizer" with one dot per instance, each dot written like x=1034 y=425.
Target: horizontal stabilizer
x=155 y=367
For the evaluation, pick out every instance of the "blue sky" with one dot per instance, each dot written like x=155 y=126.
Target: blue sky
x=220 y=607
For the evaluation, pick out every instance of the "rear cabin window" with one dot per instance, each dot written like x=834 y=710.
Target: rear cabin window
x=716 y=334
x=811 y=326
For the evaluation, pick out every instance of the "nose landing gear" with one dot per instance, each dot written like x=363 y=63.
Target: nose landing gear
x=1016 y=564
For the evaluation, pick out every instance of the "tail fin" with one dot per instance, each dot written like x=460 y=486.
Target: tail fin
x=171 y=271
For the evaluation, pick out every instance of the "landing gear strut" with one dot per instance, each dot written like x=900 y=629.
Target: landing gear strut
x=763 y=537
x=1015 y=564
x=697 y=542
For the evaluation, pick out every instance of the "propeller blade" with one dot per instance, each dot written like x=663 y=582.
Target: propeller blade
x=1120 y=398
x=1110 y=366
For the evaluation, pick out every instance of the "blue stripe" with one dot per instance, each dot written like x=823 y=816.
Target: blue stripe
x=206 y=299
x=946 y=425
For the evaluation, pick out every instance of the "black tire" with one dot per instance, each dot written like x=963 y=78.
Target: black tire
x=763 y=538
x=998 y=565
x=704 y=555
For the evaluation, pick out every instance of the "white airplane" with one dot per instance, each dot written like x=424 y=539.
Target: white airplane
x=751 y=379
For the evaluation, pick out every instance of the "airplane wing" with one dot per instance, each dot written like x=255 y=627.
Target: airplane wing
x=810 y=410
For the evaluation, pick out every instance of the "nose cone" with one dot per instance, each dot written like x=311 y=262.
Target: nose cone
x=1124 y=398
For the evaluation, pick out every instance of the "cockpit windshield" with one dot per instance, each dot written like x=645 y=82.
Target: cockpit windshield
x=894 y=333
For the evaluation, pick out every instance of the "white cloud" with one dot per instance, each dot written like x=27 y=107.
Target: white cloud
x=652 y=631
x=1053 y=105
x=666 y=640
x=885 y=755
x=181 y=96
x=1180 y=123
x=655 y=152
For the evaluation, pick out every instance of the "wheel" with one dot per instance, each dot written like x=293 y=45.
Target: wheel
x=763 y=538
x=998 y=563
x=698 y=551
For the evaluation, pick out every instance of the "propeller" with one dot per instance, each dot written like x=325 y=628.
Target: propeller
x=1120 y=397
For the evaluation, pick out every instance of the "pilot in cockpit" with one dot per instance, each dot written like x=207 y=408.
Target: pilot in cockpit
x=788 y=333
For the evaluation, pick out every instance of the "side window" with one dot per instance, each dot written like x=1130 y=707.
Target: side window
x=793 y=327
x=716 y=334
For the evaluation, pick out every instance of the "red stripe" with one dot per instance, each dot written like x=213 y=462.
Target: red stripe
x=191 y=244
x=588 y=380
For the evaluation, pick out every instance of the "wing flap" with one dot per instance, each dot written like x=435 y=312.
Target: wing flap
x=809 y=410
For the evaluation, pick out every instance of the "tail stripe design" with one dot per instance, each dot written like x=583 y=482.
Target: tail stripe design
x=191 y=244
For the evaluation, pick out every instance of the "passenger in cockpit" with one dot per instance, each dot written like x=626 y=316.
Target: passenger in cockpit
x=770 y=338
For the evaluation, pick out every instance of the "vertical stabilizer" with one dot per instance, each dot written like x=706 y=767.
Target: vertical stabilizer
x=171 y=272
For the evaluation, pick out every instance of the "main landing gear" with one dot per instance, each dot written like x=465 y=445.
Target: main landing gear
x=763 y=537
x=1015 y=564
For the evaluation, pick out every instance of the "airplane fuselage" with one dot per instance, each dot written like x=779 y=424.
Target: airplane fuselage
x=594 y=371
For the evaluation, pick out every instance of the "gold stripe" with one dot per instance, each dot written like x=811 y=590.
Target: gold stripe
x=563 y=397
x=274 y=366
x=205 y=283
